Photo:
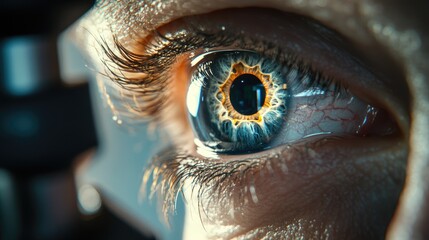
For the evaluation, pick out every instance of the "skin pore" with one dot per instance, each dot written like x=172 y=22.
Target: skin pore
x=387 y=36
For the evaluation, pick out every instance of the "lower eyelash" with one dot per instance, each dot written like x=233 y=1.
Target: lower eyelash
x=216 y=180
x=172 y=168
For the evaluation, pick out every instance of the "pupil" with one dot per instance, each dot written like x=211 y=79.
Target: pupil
x=247 y=94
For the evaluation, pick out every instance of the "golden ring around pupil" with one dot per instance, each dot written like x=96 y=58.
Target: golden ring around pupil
x=237 y=70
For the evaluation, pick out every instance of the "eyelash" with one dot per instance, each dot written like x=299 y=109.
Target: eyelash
x=171 y=168
x=159 y=56
x=169 y=176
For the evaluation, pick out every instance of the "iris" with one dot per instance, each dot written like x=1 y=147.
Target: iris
x=237 y=101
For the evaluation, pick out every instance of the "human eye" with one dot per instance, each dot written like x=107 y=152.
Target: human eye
x=279 y=130
x=240 y=102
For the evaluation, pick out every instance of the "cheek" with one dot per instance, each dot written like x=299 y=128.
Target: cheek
x=323 y=187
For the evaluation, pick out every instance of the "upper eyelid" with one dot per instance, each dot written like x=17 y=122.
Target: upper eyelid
x=143 y=75
x=159 y=52
x=129 y=20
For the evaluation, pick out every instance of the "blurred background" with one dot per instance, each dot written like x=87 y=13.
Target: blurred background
x=67 y=170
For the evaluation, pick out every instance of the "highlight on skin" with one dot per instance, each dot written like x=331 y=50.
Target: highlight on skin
x=187 y=161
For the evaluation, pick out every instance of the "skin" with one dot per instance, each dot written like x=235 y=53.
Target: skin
x=395 y=27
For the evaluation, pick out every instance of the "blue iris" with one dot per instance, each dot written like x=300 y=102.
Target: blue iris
x=237 y=101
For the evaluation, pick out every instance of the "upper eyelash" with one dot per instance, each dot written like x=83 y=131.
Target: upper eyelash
x=161 y=52
x=158 y=57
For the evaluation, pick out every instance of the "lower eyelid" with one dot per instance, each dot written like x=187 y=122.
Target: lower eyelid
x=249 y=182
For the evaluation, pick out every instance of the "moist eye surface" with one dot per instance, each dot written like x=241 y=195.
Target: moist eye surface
x=242 y=102
x=238 y=99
